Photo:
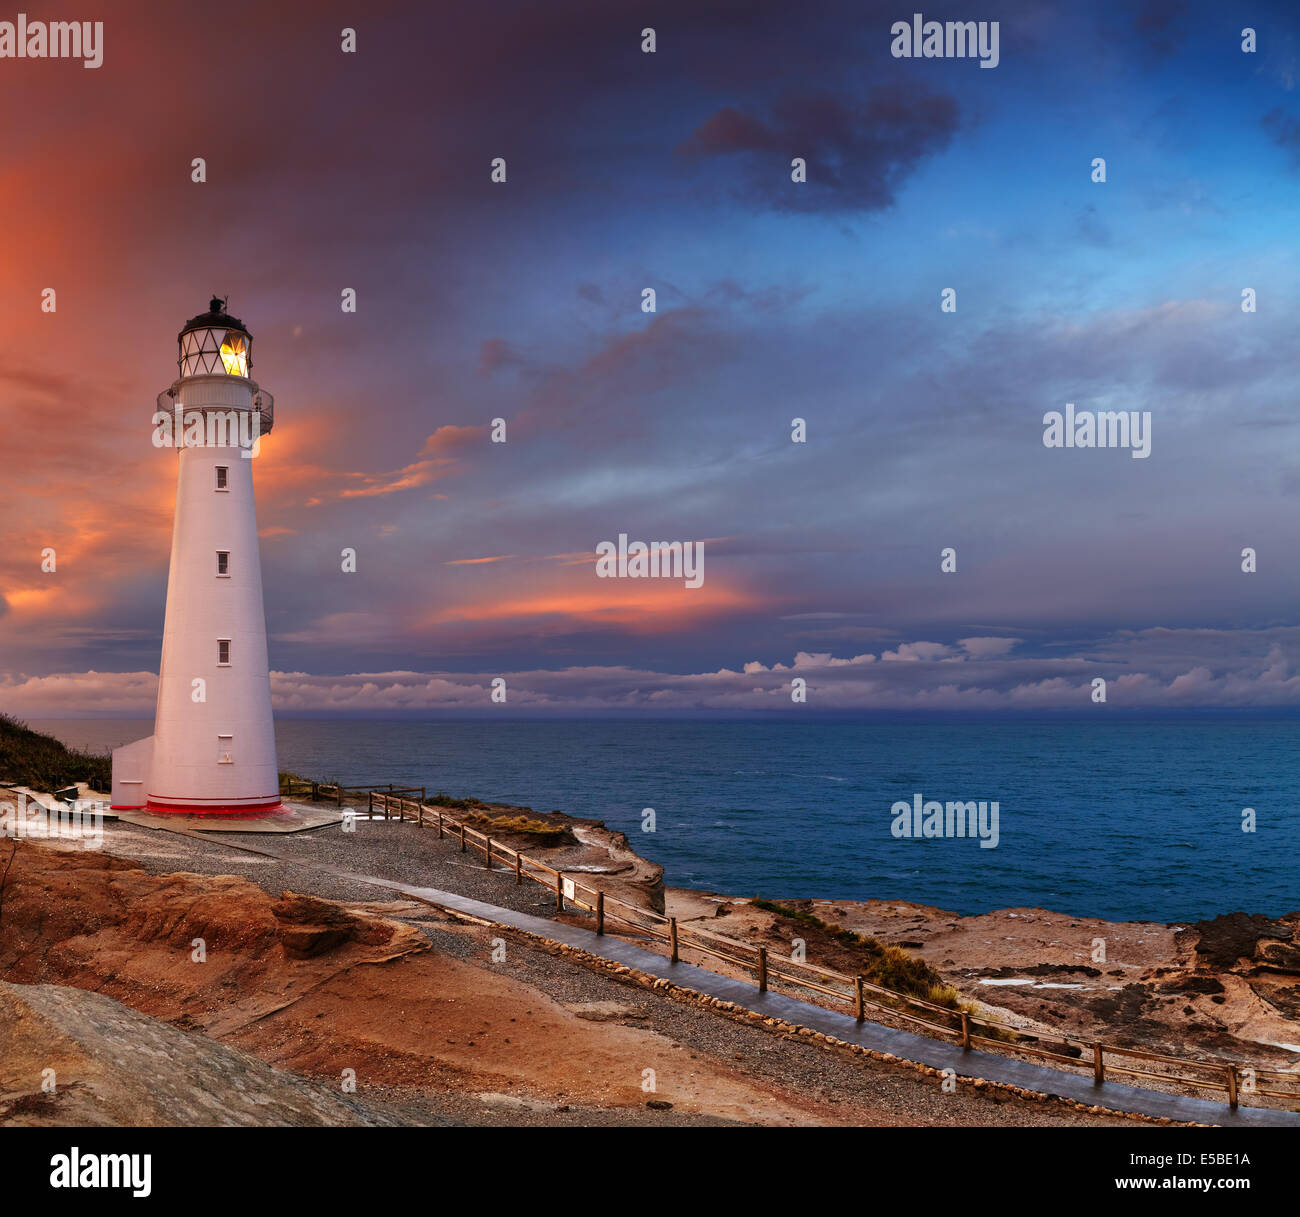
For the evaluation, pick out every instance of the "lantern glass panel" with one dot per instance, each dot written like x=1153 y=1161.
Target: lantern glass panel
x=234 y=353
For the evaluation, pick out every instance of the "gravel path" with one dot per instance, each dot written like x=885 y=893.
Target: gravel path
x=867 y=1092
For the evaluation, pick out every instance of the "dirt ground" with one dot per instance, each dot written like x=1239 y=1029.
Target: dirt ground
x=446 y=1020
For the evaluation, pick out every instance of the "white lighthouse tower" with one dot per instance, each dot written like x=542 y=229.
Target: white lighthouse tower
x=213 y=747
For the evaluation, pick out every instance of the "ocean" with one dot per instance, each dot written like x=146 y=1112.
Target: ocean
x=1126 y=820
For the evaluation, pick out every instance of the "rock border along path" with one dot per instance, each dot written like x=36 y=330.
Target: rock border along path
x=918 y=1049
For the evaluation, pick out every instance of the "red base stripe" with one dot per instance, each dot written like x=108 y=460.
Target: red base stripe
x=254 y=811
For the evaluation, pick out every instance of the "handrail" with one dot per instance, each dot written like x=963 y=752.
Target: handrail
x=690 y=937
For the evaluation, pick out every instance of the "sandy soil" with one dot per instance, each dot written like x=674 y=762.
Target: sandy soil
x=422 y=1009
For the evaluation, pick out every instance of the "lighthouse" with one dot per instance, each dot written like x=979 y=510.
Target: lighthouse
x=212 y=752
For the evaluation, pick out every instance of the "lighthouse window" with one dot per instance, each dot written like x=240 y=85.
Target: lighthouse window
x=223 y=652
x=234 y=353
x=225 y=749
x=223 y=477
x=223 y=562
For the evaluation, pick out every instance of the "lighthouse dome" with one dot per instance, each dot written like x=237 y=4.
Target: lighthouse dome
x=214 y=344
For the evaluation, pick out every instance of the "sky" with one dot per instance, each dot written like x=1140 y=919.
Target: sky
x=522 y=300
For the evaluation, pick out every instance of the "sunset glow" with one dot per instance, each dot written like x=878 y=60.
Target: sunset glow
x=499 y=403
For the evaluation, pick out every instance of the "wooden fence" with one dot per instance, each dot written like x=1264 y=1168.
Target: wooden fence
x=1232 y=1078
x=329 y=792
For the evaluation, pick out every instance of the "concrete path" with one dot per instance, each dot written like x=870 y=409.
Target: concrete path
x=938 y=1054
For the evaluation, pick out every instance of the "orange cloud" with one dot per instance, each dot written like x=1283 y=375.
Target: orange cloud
x=644 y=606
x=409 y=477
x=452 y=439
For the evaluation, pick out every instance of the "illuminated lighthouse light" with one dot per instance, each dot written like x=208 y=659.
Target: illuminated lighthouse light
x=213 y=747
x=215 y=347
x=234 y=354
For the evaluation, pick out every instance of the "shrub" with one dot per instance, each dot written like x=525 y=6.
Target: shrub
x=888 y=966
x=28 y=758
x=507 y=824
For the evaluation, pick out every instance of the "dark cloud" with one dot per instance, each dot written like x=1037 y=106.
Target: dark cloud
x=495 y=354
x=859 y=153
x=1284 y=129
x=1160 y=26
x=1091 y=228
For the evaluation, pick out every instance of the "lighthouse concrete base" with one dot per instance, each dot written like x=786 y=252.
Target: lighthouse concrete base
x=292 y=817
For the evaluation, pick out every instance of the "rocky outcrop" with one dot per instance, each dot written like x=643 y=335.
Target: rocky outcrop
x=1245 y=941
x=208 y=952
x=310 y=927
x=68 y=1057
x=577 y=847
x=1226 y=987
x=623 y=873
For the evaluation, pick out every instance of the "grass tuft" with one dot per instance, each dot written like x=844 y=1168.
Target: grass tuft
x=888 y=966
x=28 y=758
x=443 y=799
x=506 y=824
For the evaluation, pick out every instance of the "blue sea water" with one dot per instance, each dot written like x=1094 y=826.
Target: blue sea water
x=1133 y=819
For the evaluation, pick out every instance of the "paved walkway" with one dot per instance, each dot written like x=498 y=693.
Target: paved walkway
x=938 y=1054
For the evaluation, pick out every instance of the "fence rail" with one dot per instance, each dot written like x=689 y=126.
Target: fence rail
x=332 y=792
x=1232 y=1078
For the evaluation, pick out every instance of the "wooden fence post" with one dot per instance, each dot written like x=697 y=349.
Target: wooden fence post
x=462 y=837
x=315 y=792
x=370 y=804
x=861 y=1000
x=965 y=1031
x=338 y=796
x=559 y=891
x=762 y=969
x=487 y=856
x=419 y=815
x=519 y=860
x=672 y=937
x=1232 y=1087
x=1098 y=1065
x=600 y=912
